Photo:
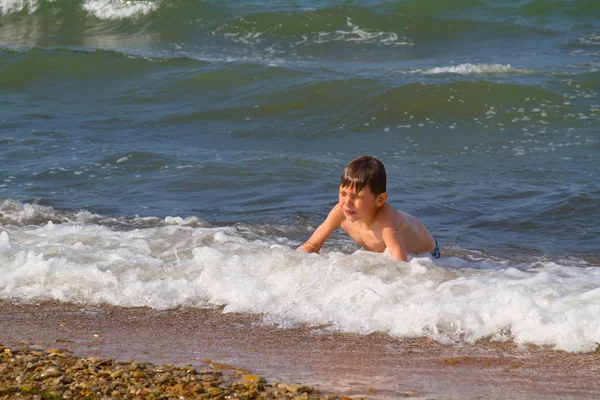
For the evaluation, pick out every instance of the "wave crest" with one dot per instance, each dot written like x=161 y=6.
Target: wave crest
x=103 y=9
x=15 y=6
x=116 y=9
x=473 y=69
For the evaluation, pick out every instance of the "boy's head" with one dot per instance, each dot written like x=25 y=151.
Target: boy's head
x=365 y=171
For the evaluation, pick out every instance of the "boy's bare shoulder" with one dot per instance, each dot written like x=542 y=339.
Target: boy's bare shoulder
x=389 y=216
x=336 y=215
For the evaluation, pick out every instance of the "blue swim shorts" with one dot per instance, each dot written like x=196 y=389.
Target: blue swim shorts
x=436 y=252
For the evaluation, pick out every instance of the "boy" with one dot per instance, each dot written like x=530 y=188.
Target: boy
x=365 y=216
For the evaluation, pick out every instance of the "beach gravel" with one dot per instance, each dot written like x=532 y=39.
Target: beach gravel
x=35 y=372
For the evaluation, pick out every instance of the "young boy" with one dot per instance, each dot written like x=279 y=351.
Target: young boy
x=364 y=215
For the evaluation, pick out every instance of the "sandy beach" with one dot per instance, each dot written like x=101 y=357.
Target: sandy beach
x=374 y=366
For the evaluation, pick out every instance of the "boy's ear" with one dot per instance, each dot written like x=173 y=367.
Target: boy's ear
x=381 y=199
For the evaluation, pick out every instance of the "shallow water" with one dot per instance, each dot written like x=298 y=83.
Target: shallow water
x=375 y=366
x=174 y=153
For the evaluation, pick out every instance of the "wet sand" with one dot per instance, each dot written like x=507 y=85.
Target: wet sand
x=374 y=366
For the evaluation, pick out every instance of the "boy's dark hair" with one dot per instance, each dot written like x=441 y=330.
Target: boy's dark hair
x=365 y=171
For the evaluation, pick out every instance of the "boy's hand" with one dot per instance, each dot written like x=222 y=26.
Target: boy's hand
x=308 y=248
x=320 y=235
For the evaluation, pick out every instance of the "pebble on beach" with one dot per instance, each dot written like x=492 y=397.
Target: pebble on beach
x=32 y=371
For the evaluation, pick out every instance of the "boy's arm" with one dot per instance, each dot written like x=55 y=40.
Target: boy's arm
x=394 y=242
x=322 y=233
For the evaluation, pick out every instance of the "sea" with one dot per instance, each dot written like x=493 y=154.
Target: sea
x=175 y=153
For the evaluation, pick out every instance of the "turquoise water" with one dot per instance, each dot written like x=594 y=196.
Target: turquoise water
x=243 y=114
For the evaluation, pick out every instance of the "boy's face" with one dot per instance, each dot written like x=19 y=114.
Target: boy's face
x=359 y=205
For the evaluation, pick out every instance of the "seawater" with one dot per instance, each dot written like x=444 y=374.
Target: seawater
x=175 y=153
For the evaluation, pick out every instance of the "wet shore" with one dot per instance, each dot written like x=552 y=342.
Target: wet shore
x=374 y=366
x=32 y=371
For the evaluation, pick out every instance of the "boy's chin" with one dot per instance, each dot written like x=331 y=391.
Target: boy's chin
x=351 y=217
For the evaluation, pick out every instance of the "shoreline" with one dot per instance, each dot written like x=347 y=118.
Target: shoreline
x=32 y=371
x=374 y=366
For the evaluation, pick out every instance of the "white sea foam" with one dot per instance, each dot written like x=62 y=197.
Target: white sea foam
x=361 y=35
x=354 y=34
x=591 y=39
x=12 y=6
x=103 y=9
x=117 y=9
x=472 y=69
x=182 y=262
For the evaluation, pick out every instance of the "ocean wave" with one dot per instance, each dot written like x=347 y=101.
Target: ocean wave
x=384 y=19
x=571 y=9
x=402 y=97
x=533 y=11
x=277 y=28
x=177 y=262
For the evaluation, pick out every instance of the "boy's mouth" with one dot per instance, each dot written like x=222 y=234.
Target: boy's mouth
x=349 y=212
